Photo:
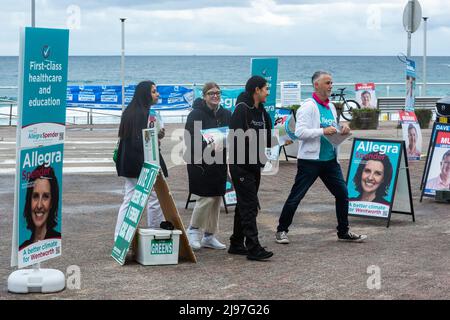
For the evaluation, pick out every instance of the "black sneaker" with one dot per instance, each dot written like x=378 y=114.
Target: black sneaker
x=352 y=237
x=238 y=249
x=260 y=255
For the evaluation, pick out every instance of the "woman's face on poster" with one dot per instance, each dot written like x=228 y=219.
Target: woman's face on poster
x=412 y=137
x=41 y=201
x=372 y=176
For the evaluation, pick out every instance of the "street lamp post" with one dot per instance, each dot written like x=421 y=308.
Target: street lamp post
x=424 y=56
x=33 y=13
x=122 y=63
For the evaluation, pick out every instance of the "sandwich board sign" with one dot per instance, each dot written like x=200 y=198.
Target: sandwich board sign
x=437 y=126
x=378 y=180
x=437 y=170
x=134 y=212
x=149 y=178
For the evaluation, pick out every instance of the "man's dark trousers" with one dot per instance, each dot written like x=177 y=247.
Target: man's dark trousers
x=246 y=184
x=307 y=172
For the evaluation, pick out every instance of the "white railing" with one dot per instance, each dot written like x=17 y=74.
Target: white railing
x=8 y=110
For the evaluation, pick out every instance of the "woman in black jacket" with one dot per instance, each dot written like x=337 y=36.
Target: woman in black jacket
x=130 y=156
x=207 y=177
x=248 y=159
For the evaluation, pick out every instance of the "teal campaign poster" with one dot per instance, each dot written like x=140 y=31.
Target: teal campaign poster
x=410 y=85
x=40 y=202
x=268 y=69
x=42 y=107
x=228 y=97
x=133 y=215
x=43 y=63
x=372 y=175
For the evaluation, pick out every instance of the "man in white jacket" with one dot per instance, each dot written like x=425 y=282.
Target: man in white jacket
x=317 y=157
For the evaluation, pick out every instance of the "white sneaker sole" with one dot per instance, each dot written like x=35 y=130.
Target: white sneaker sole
x=359 y=240
x=212 y=247
x=282 y=241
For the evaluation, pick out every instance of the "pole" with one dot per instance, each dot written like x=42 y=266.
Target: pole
x=425 y=55
x=122 y=63
x=410 y=27
x=33 y=13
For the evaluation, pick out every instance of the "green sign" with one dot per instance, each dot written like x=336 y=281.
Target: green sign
x=133 y=215
x=162 y=246
x=268 y=69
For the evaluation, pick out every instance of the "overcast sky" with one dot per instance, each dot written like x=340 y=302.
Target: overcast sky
x=234 y=27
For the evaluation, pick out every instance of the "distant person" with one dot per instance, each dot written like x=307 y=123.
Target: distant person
x=442 y=181
x=41 y=205
x=316 y=118
x=130 y=156
x=366 y=100
x=251 y=118
x=208 y=181
x=373 y=178
x=412 y=151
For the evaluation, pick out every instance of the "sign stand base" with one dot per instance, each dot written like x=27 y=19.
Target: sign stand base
x=36 y=280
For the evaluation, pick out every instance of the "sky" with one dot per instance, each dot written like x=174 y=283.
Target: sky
x=234 y=27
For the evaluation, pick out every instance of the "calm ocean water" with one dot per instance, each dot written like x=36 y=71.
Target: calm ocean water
x=236 y=69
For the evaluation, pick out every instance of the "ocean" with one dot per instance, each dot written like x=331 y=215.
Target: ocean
x=105 y=70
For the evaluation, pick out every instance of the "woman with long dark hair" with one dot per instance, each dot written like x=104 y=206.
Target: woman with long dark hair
x=130 y=155
x=41 y=205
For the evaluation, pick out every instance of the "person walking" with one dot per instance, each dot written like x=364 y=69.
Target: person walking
x=316 y=119
x=251 y=135
x=207 y=179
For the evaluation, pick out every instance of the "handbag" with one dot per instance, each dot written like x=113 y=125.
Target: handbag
x=116 y=151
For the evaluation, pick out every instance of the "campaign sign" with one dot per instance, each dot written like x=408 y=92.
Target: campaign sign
x=228 y=97
x=40 y=202
x=42 y=86
x=365 y=95
x=412 y=135
x=290 y=92
x=43 y=61
x=285 y=125
x=438 y=173
x=410 y=84
x=151 y=147
x=230 y=193
x=437 y=126
x=372 y=177
x=268 y=69
x=134 y=212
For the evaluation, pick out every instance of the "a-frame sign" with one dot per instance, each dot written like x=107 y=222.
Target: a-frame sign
x=378 y=179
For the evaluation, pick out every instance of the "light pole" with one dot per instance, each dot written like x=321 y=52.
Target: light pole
x=424 y=55
x=122 y=63
x=33 y=13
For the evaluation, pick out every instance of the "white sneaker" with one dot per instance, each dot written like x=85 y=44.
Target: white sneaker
x=194 y=236
x=213 y=243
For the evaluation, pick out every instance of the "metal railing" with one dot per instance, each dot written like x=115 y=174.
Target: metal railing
x=383 y=89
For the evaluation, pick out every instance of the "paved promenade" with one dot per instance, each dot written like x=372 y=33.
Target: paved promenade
x=413 y=258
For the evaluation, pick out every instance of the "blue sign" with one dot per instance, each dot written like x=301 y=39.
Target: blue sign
x=43 y=62
x=268 y=69
x=43 y=86
x=410 y=85
x=372 y=176
x=110 y=97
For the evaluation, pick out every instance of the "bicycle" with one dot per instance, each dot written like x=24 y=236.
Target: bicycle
x=344 y=107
